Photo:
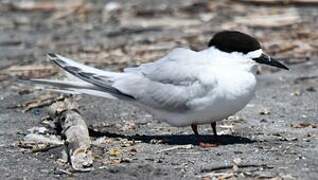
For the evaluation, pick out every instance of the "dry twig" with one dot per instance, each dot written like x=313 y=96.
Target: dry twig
x=74 y=128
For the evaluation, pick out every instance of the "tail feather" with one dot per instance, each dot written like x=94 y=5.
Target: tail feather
x=98 y=78
x=71 y=87
x=84 y=91
x=66 y=62
x=63 y=84
x=82 y=79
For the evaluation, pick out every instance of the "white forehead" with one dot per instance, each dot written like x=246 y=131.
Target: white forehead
x=255 y=54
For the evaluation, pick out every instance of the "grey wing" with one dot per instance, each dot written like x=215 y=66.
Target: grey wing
x=170 y=69
x=170 y=83
x=159 y=95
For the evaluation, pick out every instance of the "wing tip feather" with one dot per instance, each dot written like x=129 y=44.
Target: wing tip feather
x=52 y=55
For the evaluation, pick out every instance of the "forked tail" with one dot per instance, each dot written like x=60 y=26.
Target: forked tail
x=85 y=80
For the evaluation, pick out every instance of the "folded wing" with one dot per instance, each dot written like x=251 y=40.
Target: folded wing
x=170 y=83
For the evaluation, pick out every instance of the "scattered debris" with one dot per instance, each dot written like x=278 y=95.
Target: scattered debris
x=263 y=120
x=44 y=6
x=235 y=119
x=112 y=6
x=270 y=21
x=232 y=171
x=40 y=139
x=188 y=146
x=218 y=168
x=236 y=163
x=34 y=6
x=102 y=141
x=156 y=141
x=38 y=130
x=225 y=175
x=4 y=77
x=227 y=126
x=129 y=125
x=265 y=112
x=296 y=93
x=60 y=171
x=284 y=139
x=115 y=152
x=31 y=71
x=311 y=89
x=78 y=8
x=161 y=22
x=37 y=144
x=43 y=139
x=127 y=143
x=303 y=79
x=303 y=125
x=282 y=47
x=41 y=101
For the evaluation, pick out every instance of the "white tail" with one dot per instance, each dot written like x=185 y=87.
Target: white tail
x=83 y=79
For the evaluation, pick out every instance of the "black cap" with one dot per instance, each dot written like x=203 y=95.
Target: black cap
x=234 y=41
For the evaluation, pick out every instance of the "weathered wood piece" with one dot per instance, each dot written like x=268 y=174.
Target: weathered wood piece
x=75 y=131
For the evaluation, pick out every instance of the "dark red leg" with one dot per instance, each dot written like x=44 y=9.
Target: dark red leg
x=195 y=129
x=213 y=125
x=200 y=142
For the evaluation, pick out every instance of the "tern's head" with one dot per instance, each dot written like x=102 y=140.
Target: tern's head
x=248 y=46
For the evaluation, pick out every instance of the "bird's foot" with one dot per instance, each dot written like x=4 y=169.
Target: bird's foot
x=207 y=145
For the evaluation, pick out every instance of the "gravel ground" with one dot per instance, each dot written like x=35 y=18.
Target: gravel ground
x=275 y=136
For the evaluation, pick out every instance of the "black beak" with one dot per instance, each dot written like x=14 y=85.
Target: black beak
x=265 y=59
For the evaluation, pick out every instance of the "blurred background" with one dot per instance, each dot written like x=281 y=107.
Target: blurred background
x=277 y=130
x=115 y=34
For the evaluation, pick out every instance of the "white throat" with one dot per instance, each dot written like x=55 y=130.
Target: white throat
x=233 y=61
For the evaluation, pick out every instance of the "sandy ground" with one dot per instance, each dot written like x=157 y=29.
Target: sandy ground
x=275 y=136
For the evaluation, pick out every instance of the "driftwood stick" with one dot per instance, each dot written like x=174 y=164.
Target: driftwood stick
x=75 y=131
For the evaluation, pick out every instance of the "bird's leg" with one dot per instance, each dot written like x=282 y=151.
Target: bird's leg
x=213 y=125
x=201 y=143
x=195 y=129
